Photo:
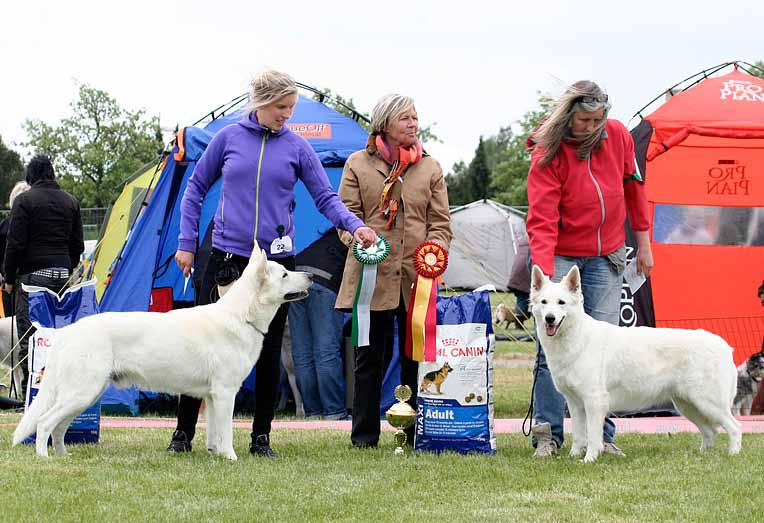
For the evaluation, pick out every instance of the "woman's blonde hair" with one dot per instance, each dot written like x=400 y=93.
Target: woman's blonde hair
x=19 y=188
x=388 y=108
x=268 y=87
x=584 y=95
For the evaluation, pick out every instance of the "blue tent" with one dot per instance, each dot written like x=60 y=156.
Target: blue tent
x=146 y=261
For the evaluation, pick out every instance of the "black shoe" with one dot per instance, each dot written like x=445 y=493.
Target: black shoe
x=261 y=446
x=179 y=443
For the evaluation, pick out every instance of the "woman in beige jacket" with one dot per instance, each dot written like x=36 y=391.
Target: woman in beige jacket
x=399 y=191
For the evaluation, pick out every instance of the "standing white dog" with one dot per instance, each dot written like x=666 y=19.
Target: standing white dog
x=204 y=352
x=9 y=340
x=600 y=367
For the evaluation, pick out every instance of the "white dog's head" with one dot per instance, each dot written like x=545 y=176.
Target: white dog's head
x=553 y=302
x=264 y=286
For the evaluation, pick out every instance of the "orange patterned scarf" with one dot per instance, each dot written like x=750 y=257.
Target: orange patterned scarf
x=406 y=157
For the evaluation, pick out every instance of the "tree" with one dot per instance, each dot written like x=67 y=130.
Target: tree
x=98 y=146
x=459 y=192
x=346 y=106
x=479 y=174
x=11 y=171
x=758 y=69
x=509 y=179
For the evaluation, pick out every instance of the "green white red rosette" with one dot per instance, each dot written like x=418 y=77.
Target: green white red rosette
x=369 y=258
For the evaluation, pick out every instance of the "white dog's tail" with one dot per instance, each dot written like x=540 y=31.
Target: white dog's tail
x=42 y=403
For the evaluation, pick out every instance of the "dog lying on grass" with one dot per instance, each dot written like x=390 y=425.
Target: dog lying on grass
x=204 y=352
x=600 y=367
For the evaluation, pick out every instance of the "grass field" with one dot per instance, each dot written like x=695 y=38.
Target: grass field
x=129 y=477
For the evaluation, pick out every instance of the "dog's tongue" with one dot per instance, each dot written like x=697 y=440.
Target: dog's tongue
x=551 y=330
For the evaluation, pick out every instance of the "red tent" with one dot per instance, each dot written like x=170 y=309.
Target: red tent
x=702 y=155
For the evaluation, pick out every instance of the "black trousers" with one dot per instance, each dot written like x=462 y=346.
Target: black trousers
x=23 y=325
x=370 y=365
x=267 y=367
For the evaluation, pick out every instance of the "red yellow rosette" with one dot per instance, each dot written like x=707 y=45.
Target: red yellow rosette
x=430 y=261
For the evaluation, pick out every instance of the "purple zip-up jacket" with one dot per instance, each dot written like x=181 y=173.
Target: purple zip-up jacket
x=259 y=169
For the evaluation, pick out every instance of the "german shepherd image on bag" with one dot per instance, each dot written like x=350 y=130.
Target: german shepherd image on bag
x=436 y=377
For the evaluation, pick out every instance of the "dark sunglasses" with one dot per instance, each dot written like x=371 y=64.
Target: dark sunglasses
x=592 y=99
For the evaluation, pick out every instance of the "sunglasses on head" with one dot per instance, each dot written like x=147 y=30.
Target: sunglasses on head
x=592 y=99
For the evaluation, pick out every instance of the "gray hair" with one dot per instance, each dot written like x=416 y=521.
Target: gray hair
x=585 y=96
x=268 y=87
x=389 y=108
x=19 y=188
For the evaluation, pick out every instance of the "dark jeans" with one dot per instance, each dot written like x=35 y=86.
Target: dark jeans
x=23 y=325
x=266 y=368
x=371 y=362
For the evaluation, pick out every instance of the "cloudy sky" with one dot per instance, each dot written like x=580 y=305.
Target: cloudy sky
x=471 y=69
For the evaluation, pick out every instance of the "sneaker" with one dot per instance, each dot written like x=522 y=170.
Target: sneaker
x=545 y=445
x=610 y=448
x=261 y=446
x=179 y=442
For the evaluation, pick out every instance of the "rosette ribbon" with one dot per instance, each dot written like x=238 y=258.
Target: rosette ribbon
x=430 y=261
x=367 y=281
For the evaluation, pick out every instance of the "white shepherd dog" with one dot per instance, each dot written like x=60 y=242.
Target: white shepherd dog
x=204 y=352
x=600 y=367
x=8 y=341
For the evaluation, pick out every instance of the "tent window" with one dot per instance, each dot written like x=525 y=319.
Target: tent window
x=708 y=225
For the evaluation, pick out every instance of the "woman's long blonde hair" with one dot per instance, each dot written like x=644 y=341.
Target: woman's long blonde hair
x=584 y=95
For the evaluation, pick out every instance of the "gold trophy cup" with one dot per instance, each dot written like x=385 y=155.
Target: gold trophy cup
x=401 y=416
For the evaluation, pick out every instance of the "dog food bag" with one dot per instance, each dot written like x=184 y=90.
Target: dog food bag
x=48 y=312
x=455 y=392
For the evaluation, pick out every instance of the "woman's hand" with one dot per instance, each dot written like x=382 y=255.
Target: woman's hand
x=365 y=236
x=644 y=254
x=185 y=261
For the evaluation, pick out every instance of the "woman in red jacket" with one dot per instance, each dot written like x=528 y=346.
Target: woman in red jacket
x=582 y=183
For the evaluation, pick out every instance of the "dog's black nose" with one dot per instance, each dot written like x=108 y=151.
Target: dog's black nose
x=310 y=276
x=549 y=318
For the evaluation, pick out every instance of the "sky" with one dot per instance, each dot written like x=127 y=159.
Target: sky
x=471 y=67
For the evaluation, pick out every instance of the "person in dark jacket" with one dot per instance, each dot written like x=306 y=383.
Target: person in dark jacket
x=44 y=243
x=19 y=188
x=316 y=330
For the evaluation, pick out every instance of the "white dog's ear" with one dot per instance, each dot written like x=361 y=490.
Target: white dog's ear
x=573 y=280
x=262 y=265
x=538 y=278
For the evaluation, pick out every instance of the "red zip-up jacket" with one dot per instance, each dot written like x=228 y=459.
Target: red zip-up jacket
x=578 y=207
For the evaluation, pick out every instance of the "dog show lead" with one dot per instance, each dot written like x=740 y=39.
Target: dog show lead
x=259 y=160
x=582 y=182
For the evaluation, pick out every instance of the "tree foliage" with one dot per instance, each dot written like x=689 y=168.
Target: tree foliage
x=507 y=160
x=98 y=146
x=11 y=171
x=758 y=69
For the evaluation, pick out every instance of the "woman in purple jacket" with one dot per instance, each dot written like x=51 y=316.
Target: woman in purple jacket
x=259 y=160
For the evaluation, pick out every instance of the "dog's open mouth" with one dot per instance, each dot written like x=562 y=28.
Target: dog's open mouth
x=294 y=296
x=551 y=329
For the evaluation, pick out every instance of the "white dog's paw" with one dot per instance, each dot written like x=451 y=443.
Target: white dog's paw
x=577 y=451
x=229 y=455
x=591 y=455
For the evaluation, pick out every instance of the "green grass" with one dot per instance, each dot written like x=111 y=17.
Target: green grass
x=129 y=477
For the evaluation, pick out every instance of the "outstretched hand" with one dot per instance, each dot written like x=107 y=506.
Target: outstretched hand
x=365 y=236
x=185 y=261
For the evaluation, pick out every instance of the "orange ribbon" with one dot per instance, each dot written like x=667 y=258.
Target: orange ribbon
x=430 y=261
